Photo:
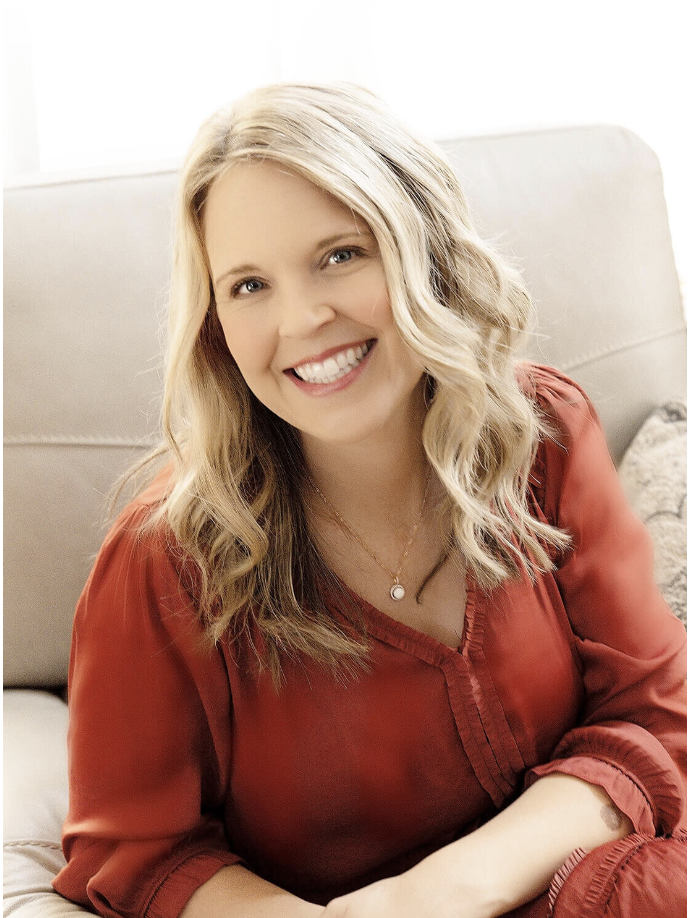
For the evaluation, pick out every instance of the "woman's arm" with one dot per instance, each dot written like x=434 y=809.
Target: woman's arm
x=630 y=738
x=508 y=861
x=235 y=891
x=149 y=736
x=513 y=857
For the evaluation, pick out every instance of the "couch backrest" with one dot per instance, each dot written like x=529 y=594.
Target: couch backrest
x=86 y=267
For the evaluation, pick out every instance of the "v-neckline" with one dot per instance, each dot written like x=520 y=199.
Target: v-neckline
x=409 y=639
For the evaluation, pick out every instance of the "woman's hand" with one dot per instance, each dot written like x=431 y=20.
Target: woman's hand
x=395 y=897
x=422 y=892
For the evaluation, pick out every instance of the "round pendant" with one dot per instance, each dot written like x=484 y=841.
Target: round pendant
x=397 y=592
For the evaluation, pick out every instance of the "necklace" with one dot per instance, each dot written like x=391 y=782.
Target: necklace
x=396 y=591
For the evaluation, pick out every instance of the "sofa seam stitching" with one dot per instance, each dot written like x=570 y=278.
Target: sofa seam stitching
x=629 y=344
x=32 y=844
x=69 y=440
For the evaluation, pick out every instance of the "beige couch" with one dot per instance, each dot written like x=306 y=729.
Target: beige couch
x=86 y=267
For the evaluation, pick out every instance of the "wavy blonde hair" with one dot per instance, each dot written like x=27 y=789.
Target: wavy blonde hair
x=235 y=503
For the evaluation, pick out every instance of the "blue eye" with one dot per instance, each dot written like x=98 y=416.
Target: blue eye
x=250 y=286
x=348 y=253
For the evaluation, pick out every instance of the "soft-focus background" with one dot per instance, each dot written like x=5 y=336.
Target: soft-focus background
x=98 y=85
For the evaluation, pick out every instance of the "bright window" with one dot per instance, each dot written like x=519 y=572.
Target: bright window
x=103 y=85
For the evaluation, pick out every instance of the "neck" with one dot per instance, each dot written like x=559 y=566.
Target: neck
x=381 y=477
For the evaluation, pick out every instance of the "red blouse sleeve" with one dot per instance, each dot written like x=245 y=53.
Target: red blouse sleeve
x=149 y=727
x=631 y=737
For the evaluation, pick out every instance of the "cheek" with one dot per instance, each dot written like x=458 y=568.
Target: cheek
x=244 y=342
x=378 y=305
x=229 y=337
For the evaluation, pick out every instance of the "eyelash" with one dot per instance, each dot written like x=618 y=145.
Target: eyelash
x=237 y=287
x=254 y=280
x=350 y=248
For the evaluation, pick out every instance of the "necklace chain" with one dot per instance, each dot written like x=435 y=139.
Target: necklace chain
x=397 y=591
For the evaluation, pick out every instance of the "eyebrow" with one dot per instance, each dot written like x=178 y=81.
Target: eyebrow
x=329 y=240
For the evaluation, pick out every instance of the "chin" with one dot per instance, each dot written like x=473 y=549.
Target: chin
x=343 y=434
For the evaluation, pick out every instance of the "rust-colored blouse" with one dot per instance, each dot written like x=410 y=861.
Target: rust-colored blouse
x=183 y=759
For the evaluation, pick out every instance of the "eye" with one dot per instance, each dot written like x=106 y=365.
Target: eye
x=252 y=285
x=341 y=256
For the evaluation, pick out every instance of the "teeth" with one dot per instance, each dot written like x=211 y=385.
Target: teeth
x=333 y=367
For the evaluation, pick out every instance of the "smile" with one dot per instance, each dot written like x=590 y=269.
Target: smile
x=334 y=367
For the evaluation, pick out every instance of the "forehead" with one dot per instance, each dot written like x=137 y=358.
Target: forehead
x=252 y=199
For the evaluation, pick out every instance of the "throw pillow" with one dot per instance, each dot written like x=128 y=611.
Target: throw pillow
x=653 y=474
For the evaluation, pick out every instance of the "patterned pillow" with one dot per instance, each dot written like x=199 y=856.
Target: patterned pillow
x=653 y=474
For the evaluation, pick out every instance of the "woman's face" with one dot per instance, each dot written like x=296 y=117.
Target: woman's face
x=302 y=299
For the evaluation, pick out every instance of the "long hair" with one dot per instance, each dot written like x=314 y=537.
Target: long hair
x=235 y=502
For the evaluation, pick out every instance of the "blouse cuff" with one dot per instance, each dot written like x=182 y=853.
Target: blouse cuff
x=633 y=876
x=175 y=890
x=631 y=765
x=622 y=790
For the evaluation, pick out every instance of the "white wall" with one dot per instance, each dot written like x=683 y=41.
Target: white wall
x=96 y=83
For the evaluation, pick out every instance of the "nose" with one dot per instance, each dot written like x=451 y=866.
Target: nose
x=303 y=309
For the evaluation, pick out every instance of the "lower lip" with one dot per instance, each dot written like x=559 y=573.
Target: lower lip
x=321 y=389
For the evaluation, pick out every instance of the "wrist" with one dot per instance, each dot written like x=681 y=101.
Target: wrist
x=466 y=875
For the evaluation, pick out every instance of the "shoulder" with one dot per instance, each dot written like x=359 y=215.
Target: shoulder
x=569 y=416
x=152 y=496
x=573 y=448
x=141 y=572
x=140 y=522
x=555 y=393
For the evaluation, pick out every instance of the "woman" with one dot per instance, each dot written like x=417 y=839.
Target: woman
x=382 y=637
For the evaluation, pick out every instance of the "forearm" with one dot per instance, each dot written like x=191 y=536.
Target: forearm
x=508 y=861
x=235 y=892
x=513 y=857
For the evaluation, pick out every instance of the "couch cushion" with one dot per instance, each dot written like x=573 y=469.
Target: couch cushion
x=583 y=210
x=86 y=268
x=35 y=803
x=34 y=765
x=29 y=869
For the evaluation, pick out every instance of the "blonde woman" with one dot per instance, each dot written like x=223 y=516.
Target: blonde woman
x=381 y=638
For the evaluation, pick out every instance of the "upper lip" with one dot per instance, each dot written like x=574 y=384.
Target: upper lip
x=330 y=352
